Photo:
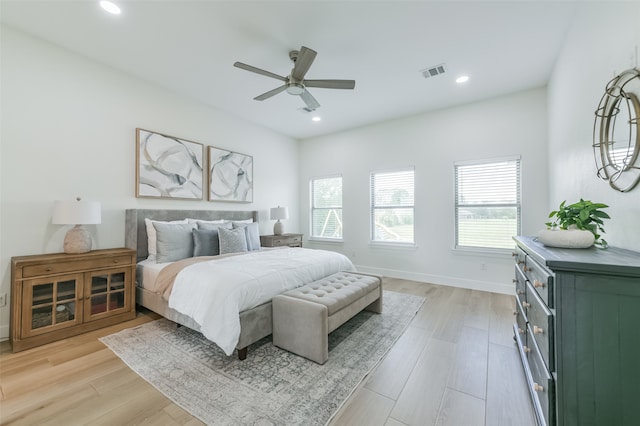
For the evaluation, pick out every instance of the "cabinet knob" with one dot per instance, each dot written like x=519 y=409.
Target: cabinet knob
x=537 y=284
x=537 y=330
x=116 y=261
x=519 y=292
x=514 y=254
x=521 y=331
x=48 y=269
x=514 y=281
x=526 y=269
x=526 y=305
x=520 y=262
x=537 y=387
x=87 y=298
x=526 y=349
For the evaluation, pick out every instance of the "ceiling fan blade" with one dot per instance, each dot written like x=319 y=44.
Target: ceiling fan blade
x=303 y=63
x=309 y=100
x=331 y=84
x=259 y=71
x=270 y=93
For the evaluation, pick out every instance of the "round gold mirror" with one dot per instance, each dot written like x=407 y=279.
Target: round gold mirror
x=616 y=132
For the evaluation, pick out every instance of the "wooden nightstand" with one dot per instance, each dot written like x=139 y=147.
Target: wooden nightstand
x=291 y=240
x=55 y=296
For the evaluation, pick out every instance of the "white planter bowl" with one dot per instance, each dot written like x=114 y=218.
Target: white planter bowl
x=566 y=238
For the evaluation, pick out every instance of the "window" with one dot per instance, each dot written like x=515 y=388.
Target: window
x=487 y=205
x=392 y=207
x=326 y=207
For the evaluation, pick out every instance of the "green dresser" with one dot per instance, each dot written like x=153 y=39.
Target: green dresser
x=578 y=332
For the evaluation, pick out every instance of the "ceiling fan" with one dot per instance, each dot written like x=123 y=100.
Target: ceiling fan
x=295 y=84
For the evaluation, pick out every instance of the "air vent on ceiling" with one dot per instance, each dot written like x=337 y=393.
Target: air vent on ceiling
x=433 y=71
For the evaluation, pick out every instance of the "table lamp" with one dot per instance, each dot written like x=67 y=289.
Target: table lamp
x=76 y=212
x=278 y=213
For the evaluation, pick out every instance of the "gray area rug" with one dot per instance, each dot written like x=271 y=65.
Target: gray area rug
x=272 y=386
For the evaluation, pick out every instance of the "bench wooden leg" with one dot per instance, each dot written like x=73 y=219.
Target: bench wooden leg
x=242 y=353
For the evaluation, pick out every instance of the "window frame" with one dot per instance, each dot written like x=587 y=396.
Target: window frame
x=372 y=209
x=312 y=208
x=518 y=204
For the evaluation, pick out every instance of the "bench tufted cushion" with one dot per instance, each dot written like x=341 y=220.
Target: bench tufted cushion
x=336 y=291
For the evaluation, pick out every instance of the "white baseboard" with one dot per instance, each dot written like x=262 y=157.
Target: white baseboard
x=442 y=280
x=4 y=333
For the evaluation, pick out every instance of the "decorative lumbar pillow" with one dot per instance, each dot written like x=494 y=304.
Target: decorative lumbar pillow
x=232 y=240
x=206 y=242
x=151 y=235
x=198 y=221
x=174 y=241
x=214 y=226
x=252 y=231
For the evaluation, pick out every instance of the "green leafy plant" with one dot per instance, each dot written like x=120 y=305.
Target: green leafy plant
x=583 y=215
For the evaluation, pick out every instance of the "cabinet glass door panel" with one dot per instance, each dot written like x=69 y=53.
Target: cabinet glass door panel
x=106 y=293
x=117 y=281
x=99 y=284
x=50 y=304
x=98 y=304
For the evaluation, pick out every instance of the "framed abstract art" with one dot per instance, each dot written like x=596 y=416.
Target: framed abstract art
x=230 y=176
x=168 y=167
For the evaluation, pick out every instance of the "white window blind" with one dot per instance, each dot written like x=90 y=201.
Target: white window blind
x=326 y=207
x=487 y=205
x=392 y=206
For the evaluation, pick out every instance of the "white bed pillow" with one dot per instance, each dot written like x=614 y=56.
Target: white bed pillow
x=252 y=231
x=241 y=221
x=151 y=235
x=232 y=240
x=197 y=221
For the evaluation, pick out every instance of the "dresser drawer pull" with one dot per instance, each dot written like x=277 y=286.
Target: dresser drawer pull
x=526 y=349
x=514 y=254
x=526 y=305
x=537 y=330
x=48 y=269
x=527 y=269
x=116 y=261
x=520 y=292
x=519 y=262
x=538 y=388
x=521 y=331
x=537 y=284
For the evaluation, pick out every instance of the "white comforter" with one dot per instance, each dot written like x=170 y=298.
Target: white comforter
x=213 y=293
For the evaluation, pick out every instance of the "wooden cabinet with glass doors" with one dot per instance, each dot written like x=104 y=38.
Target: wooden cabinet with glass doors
x=55 y=296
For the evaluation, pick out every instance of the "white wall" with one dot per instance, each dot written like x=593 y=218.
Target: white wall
x=603 y=41
x=432 y=142
x=68 y=129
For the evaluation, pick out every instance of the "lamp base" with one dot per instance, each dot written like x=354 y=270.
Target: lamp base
x=77 y=240
x=278 y=228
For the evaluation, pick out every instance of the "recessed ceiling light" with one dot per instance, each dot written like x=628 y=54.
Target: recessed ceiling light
x=316 y=118
x=462 y=79
x=110 y=7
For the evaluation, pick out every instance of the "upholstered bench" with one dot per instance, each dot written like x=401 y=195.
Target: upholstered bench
x=304 y=317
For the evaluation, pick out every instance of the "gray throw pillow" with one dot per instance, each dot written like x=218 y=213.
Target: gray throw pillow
x=252 y=231
x=173 y=241
x=232 y=240
x=206 y=242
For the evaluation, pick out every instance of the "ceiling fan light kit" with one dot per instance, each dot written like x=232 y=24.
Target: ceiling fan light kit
x=295 y=84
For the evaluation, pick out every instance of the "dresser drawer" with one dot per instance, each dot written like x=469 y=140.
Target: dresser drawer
x=520 y=257
x=75 y=266
x=541 y=280
x=287 y=241
x=521 y=322
x=542 y=386
x=521 y=285
x=541 y=326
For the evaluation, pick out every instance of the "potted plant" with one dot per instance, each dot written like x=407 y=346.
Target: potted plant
x=583 y=221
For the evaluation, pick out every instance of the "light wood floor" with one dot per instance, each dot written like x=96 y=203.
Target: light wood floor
x=455 y=365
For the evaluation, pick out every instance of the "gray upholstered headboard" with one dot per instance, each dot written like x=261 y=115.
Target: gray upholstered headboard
x=135 y=236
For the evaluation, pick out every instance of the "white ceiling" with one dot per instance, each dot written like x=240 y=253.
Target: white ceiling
x=190 y=47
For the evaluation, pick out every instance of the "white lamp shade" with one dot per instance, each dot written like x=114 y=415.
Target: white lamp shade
x=76 y=212
x=278 y=213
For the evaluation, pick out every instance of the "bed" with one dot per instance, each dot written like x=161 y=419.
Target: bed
x=254 y=322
